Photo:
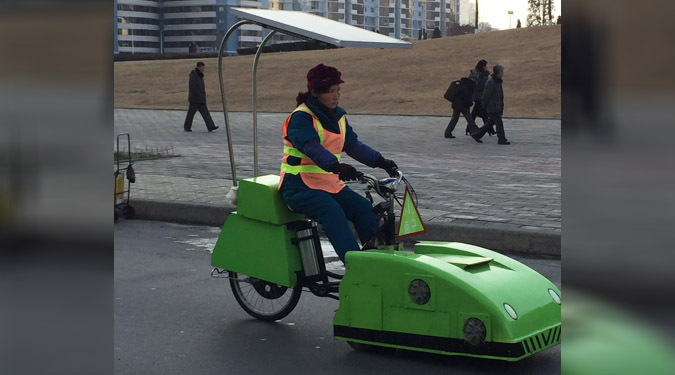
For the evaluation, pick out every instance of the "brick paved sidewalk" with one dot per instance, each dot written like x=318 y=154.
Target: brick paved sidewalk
x=459 y=182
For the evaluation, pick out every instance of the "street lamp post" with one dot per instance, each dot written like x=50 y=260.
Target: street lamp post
x=510 y=14
x=476 y=24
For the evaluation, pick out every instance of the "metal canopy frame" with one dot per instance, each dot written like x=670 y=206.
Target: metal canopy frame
x=300 y=25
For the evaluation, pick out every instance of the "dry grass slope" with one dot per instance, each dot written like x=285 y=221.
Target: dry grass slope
x=377 y=81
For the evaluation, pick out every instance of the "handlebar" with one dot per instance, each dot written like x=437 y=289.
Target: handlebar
x=386 y=187
x=390 y=182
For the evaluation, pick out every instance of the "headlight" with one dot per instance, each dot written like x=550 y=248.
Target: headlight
x=510 y=311
x=554 y=295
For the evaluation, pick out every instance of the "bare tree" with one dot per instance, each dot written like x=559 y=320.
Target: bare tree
x=484 y=27
x=547 y=14
x=534 y=16
x=457 y=29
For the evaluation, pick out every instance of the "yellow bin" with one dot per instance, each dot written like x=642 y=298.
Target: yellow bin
x=119 y=188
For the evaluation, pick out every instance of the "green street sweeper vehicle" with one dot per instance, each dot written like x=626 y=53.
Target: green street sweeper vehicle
x=442 y=297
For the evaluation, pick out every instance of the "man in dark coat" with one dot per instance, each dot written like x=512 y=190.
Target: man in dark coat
x=461 y=103
x=197 y=99
x=493 y=102
x=480 y=76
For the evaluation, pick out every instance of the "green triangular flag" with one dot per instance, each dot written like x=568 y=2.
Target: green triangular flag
x=411 y=222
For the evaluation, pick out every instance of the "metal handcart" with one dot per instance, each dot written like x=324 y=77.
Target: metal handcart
x=124 y=177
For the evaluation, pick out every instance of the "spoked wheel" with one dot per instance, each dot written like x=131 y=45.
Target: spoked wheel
x=264 y=300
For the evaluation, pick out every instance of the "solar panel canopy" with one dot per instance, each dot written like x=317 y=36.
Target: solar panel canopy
x=311 y=26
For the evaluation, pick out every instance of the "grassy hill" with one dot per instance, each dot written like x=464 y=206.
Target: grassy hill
x=376 y=81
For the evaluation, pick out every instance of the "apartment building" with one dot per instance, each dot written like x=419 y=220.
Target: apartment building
x=154 y=26
x=380 y=15
x=137 y=26
x=145 y=26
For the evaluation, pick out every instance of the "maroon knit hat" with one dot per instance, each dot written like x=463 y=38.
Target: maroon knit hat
x=323 y=76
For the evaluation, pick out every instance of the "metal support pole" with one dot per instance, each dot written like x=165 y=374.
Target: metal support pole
x=222 y=96
x=255 y=101
x=476 y=24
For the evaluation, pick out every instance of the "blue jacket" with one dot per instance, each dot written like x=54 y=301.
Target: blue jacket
x=303 y=136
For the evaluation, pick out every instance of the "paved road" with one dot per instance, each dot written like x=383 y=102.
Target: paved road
x=459 y=182
x=171 y=317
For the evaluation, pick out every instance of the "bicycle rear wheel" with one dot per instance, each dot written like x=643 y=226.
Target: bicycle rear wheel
x=264 y=300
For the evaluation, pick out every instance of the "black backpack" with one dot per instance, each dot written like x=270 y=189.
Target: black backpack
x=452 y=90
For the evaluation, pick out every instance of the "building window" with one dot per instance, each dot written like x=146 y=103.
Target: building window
x=145 y=21
x=188 y=9
x=137 y=44
x=190 y=21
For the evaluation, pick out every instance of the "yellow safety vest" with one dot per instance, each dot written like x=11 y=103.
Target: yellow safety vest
x=312 y=175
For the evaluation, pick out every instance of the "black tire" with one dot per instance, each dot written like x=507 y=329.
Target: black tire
x=265 y=293
x=129 y=212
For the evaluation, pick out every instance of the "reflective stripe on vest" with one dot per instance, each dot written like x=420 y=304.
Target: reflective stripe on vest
x=312 y=175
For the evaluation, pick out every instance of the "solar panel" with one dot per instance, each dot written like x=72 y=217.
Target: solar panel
x=311 y=26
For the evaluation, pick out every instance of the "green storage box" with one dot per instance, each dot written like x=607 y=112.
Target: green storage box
x=259 y=198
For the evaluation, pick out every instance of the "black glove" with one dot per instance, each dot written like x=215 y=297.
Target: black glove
x=387 y=165
x=346 y=172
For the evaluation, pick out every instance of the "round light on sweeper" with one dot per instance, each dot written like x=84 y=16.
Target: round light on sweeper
x=554 y=295
x=510 y=311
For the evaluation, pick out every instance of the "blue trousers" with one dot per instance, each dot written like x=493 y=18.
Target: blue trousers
x=332 y=211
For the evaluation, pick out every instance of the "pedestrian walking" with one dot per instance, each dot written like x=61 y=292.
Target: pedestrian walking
x=493 y=102
x=197 y=99
x=461 y=96
x=312 y=175
x=480 y=75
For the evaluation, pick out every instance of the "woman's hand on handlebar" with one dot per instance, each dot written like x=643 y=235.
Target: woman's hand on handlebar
x=346 y=172
x=387 y=165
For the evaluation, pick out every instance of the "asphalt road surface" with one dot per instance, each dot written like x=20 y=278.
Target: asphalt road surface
x=172 y=317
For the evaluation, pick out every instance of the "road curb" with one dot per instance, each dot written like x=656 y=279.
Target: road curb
x=355 y=113
x=525 y=241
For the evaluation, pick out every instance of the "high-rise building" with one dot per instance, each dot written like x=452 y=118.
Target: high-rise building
x=153 y=26
x=145 y=26
x=468 y=14
x=380 y=16
x=137 y=26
